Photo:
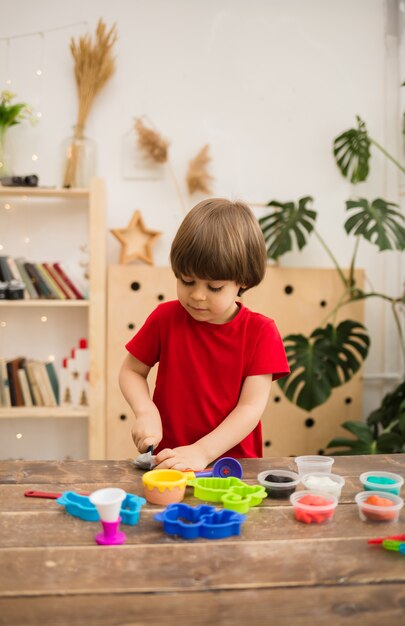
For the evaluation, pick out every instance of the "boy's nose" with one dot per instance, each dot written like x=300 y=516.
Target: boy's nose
x=198 y=294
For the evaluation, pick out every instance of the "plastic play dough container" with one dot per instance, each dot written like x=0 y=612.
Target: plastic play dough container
x=382 y=481
x=325 y=483
x=164 y=486
x=376 y=506
x=313 y=507
x=315 y=463
x=278 y=483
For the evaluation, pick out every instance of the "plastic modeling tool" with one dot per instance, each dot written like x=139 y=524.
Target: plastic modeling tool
x=108 y=503
x=395 y=546
x=201 y=521
x=46 y=494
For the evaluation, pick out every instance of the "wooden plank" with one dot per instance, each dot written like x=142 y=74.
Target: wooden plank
x=373 y=605
x=187 y=566
x=44 y=192
x=12 y=472
x=269 y=523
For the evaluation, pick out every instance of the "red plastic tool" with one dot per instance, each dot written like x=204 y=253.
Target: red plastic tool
x=381 y=539
x=46 y=494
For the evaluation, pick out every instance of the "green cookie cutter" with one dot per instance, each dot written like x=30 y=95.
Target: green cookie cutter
x=232 y=492
x=212 y=489
x=243 y=497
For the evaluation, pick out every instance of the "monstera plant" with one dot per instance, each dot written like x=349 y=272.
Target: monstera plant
x=332 y=354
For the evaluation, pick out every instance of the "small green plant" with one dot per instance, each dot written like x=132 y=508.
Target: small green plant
x=12 y=114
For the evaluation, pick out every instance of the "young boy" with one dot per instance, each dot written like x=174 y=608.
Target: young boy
x=216 y=357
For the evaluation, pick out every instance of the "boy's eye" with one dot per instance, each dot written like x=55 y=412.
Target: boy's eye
x=188 y=283
x=214 y=289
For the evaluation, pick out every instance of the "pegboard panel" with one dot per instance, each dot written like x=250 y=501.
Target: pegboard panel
x=297 y=299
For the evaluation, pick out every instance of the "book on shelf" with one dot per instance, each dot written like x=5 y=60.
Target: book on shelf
x=53 y=378
x=27 y=280
x=50 y=283
x=17 y=275
x=77 y=275
x=16 y=394
x=59 y=281
x=39 y=284
x=44 y=384
x=34 y=387
x=22 y=375
x=5 y=272
x=4 y=384
x=61 y=270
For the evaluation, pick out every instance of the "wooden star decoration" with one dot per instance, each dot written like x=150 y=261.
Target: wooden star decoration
x=136 y=240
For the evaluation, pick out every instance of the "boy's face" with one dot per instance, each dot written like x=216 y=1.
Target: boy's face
x=210 y=301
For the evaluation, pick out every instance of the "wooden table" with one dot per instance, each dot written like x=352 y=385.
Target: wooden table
x=277 y=571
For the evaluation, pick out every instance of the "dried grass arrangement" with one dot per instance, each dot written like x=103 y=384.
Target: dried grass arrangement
x=94 y=65
x=198 y=178
x=151 y=142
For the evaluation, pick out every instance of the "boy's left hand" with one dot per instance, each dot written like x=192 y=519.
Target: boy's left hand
x=182 y=458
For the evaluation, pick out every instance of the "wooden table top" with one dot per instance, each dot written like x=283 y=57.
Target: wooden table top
x=277 y=571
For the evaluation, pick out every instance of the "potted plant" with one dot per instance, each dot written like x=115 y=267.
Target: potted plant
x=334 y=352
x=10 y=115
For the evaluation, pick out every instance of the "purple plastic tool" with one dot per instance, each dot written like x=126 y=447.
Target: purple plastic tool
x=224 y=468
x=111 y=535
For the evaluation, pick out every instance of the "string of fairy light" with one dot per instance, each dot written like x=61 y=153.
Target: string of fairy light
x=39 y=66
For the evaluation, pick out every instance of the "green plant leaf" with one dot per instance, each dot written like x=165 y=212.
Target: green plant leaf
x=308 y=385
x=360 y=430
x=327 y=359
x=288 y=223
x=377 y=222
x=390 y=443
x=351 y=446
x=344 y=348
x=352 y=152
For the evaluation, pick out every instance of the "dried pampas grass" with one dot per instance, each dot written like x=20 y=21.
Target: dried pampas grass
x=151 y=142
x=94 y=65
x=198 y=177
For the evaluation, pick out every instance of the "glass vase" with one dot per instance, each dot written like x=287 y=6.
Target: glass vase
x=5 y=162
x=79 y=159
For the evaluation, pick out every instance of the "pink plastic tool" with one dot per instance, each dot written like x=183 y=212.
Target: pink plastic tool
x=108 y=503
x=111 y=535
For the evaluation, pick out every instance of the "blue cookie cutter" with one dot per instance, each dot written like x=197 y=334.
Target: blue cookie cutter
x=80 y=506
x=201 y=521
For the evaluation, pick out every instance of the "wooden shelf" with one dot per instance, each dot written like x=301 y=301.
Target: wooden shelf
x=93 y=201
x=41 y=411
x=44 y=192
x=44 y=303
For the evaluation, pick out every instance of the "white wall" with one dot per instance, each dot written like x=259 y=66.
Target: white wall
x=267 y=83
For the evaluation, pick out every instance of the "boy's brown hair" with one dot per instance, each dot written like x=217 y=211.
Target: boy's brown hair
x=220 y=240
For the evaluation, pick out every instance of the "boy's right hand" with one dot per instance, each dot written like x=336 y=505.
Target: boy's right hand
x=147 y=431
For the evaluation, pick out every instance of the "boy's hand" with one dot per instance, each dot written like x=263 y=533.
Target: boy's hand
x=183 y=458
x=147 y=431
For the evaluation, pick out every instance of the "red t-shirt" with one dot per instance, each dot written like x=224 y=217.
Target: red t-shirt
x=202 y=368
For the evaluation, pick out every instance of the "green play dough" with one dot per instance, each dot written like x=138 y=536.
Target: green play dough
x=381 y=480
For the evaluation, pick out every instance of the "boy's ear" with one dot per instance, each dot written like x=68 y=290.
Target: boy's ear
x=242 y=290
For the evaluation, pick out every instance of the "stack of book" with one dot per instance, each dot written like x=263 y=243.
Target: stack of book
x=26 y=382
x=51 y=281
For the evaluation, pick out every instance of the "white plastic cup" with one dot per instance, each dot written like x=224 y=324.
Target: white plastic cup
x=314 y=463
x=108 y=502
